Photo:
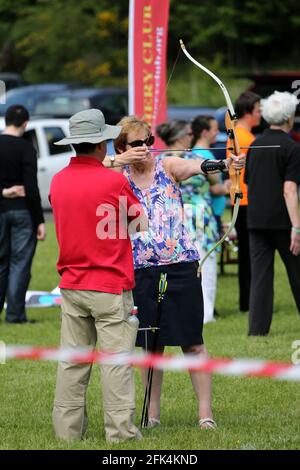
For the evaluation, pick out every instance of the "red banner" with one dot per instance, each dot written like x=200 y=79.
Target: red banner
x=148 y=31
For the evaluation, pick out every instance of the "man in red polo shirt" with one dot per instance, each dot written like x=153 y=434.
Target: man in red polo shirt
x=90 y=207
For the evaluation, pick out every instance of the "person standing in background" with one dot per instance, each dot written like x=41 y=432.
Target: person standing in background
x=205 y=130
x=177 y=135
x=21 y=215
x=209 y=192
x=247 y=108
x=273 y=177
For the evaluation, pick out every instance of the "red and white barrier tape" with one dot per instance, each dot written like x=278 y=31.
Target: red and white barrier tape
x=237 y=367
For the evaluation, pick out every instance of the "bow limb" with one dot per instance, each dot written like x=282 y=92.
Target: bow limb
x=231 y=226
x=209 y=72
x=230 y=121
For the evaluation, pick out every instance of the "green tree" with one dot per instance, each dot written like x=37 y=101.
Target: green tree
x=52 y=40
x=71 y=40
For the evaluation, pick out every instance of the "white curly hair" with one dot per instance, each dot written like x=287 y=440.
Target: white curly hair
x=279 y=107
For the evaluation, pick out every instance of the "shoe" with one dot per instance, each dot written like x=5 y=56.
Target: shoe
x=153 y=422
x=138 y=436
x=207 y=423
x=244 y=308
x=20 y=322
x=216 y=313
x=13 y=322
x=211 y=320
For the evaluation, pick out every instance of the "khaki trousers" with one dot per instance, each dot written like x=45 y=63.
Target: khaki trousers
x=88 y=316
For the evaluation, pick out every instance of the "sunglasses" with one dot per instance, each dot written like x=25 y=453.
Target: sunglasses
x=139 y=143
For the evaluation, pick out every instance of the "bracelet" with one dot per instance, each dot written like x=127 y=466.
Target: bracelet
x=296 y=230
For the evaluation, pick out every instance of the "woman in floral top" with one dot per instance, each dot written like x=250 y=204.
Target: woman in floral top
x=168 y=248
x=197 y=194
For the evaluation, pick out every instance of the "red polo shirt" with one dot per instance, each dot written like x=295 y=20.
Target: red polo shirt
x=90 y=219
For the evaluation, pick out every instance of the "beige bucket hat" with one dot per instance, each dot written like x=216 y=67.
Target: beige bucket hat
x=89 y=126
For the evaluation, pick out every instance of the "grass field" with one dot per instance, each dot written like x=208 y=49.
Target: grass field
x=251 y=413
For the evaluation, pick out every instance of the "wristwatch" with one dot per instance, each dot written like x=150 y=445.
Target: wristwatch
x=112 y=161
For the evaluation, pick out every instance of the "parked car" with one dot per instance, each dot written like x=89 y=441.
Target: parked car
x=64 y=99
x=264 y=84
x=42 y=133
x=113 y=102
x=30 y=95
x=11 y=80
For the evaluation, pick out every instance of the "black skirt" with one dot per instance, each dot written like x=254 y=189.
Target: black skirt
x=181 y=319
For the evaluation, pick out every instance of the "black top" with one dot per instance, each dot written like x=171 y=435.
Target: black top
x=266 y=172
x=18 y=166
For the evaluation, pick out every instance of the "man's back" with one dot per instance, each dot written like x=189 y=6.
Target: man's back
x=18 y=166
x=89 y=220
x=13 y=152
x=266 y=172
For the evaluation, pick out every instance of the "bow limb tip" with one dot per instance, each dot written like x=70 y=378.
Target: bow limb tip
x=181 y=44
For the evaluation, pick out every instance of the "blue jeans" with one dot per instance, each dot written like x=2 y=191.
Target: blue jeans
x=17 y=247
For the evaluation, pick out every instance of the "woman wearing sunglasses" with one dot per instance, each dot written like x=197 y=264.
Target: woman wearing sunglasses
x=197 y=198
x=168 y=248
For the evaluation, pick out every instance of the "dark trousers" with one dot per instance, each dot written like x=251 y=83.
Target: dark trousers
x=244 y=269
x=263 y=244
x=17 y=247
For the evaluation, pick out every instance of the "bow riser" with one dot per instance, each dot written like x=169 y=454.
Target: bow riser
x=235 y=175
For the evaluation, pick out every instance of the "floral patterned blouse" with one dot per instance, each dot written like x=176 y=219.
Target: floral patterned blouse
x=167 y=240
x=197 y=199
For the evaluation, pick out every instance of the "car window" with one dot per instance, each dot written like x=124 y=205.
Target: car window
x=53 y=134
x=32 y=137
x=61 y=106
x=115 y=103
x=19 y=97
